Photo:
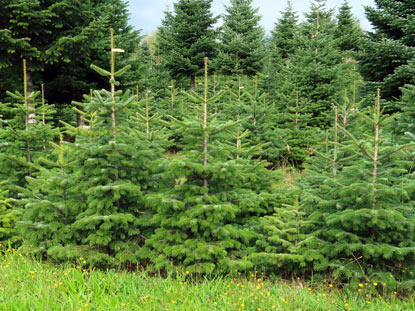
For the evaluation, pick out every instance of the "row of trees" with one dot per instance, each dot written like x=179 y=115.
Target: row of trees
x=117 y=195
x=60 y=40
x=188 y=33
x=160 y=175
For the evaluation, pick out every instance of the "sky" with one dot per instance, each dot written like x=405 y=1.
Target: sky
x=146 y=15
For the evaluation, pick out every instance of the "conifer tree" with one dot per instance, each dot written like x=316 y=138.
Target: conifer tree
x=209 y=194
x=286 y=242
x=286 y=127
x=51 y=204
x=60 y=39
x=406 y=120
x=241 y=50
x=364 y=208
x=186 y=37
x=8 y=217
x=105 y=209
x=387 y=58
x=348 y=31
x=284 y=32
x=317 y=69
x=25 y=136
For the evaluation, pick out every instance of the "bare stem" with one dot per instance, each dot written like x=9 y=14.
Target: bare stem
x=336 y=118
x=147 y=112
x=297 y=103
x=376 y=151
x=26 y=103
x=345 y=110
x=239 y=96
x=25 y=93
x=114 y=130
x=172 y=95
x=43 y=104
x=205 y=142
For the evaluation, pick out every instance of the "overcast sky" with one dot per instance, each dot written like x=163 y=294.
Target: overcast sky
x=147 y=14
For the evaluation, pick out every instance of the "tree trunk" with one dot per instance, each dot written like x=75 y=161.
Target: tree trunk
x=205 y=112
x=31 y=117
x=192 y=82
x=79 y=121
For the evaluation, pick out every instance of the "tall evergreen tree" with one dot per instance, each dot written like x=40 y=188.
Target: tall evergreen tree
x=348 y=31
x=388 y=53
x=241 y=50
x=186 y=37
x=317 y=69
x=284 y=32
x=60 y=39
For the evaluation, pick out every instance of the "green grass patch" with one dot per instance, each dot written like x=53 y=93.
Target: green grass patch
x=26 y=284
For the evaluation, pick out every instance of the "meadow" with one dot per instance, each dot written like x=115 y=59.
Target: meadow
x=27 y=284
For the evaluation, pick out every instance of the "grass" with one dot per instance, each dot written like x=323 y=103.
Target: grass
x=26 y=284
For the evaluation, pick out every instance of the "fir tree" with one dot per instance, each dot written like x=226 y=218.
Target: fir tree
x=241 y=50
x=317 y=69
x=208 y=196
x=363 y=207
x=406 y=120
x=59 y=39
x=105 y=208
x=286 y=127
x=51 y=204
x=348 y=31
x=287 y=242
x=186 y=37
x=25 y=137
x=387 y=58
x=8 y=217
x=284 y=32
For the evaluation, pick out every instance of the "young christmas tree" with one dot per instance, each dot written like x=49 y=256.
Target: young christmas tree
x=105 y=210
x=364 y=209
x=51 y=204
x=286 y=243
x=8 y=217
x=6 y=213
x=241 y=50
x=25 y=137
x=208 y=197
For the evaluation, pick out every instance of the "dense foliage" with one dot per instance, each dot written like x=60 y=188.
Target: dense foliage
x=157 y=175
x=387 y=59
x=241 y=36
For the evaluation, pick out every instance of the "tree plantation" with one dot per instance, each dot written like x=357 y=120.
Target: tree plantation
x=210 y=149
